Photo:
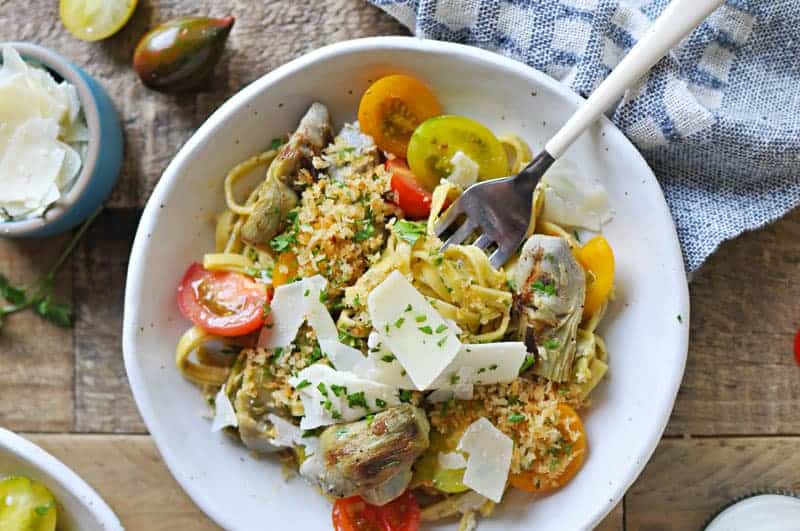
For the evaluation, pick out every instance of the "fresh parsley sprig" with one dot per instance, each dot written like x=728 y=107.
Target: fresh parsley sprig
x=39 y=294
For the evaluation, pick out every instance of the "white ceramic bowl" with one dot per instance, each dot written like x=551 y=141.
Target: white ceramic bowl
x=647 y=342
x=80 y=507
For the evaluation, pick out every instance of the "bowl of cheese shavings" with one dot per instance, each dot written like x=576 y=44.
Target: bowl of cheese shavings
x=60 y=142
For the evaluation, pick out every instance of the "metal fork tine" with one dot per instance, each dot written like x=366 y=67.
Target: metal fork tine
x=482 y=242
x=461 y=234
x=448 y=218
x=500 y=256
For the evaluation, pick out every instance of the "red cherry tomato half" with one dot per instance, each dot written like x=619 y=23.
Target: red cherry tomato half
x=401 y=514
x=225 y=304
x=412 y=198
x=797 y=347
x=354 y=514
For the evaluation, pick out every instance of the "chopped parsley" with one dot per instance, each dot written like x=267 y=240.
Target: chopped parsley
x=511 y=285
x=306 y=292
x=367 y=229
x=282 y=241
x=322 y=389
x=409 y=231
x=316 y=355
x=441 y=328
x=551 y=343
x=43 y=509
x=357 y=400
x=493 y=367
x=323 y=296
x=441 y=342
x=454 y=378
x=548 y=288
x=388 y=358
x=516 y=418
x=529 y=360
x=304 y=383
x=404 y=395
x=577 y=236
x=408 y=308
x=276 y=143
x=426 y=330
x=421 y=318
x=399 y=322
x=338 y=390
x=680 y=319
x=380 y=403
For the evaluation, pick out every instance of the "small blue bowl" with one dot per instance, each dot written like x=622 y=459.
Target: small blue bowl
x=103 y=157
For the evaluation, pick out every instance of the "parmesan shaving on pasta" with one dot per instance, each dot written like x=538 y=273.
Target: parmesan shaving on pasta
x=489 y=458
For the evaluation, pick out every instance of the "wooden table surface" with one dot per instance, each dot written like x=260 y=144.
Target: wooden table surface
x=736 y=423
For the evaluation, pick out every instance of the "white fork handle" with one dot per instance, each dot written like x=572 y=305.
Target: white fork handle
x=678 y=19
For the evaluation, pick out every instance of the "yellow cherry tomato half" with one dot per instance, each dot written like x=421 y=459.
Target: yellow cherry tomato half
x=26 y=504
x=597 y=260
x=573 y=449
x=392 y=108
x=93 y=20
x=285 y=269
x=434 y=143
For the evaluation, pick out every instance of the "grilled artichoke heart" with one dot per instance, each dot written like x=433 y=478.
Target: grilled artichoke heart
x=274 y=197
x=551 y=288
x=371 y=457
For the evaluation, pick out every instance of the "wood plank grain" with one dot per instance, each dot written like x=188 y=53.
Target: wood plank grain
x=614 y=521
x=266 y=35
x=688 y=480
x=127 y=471
x=103 y=400
x=36 y=363
x=741 y=377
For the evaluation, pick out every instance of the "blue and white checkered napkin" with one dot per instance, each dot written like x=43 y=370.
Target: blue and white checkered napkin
x=718 y=119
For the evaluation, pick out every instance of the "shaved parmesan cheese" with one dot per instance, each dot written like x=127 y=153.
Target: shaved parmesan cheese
x=412 y=329
x=42 y=136
x=224 y=415
x=316 y=312
x=287 y=314
x=452 y=460
x=484 y=363
x=573 y=198
x=286 y=434
x=465 y=171
x=292 y=304
x=489 y=458
x=343 y=357
x=330 y=396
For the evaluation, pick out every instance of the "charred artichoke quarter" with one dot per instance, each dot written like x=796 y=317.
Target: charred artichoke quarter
x=551 y=287
x=274 y=197
x=371 y=457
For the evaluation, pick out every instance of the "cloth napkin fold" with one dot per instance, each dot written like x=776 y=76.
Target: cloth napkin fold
x=718 y=119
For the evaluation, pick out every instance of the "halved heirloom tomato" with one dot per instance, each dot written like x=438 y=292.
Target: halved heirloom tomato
x=597 y=259
x=222 y=303
x=392 y=108
x=26 y=505
x=434 y=143
x=354 y=514
x=409 y=195
x=285 y=269
x=571 y=428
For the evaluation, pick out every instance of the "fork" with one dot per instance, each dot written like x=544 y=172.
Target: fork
x=499 y=211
